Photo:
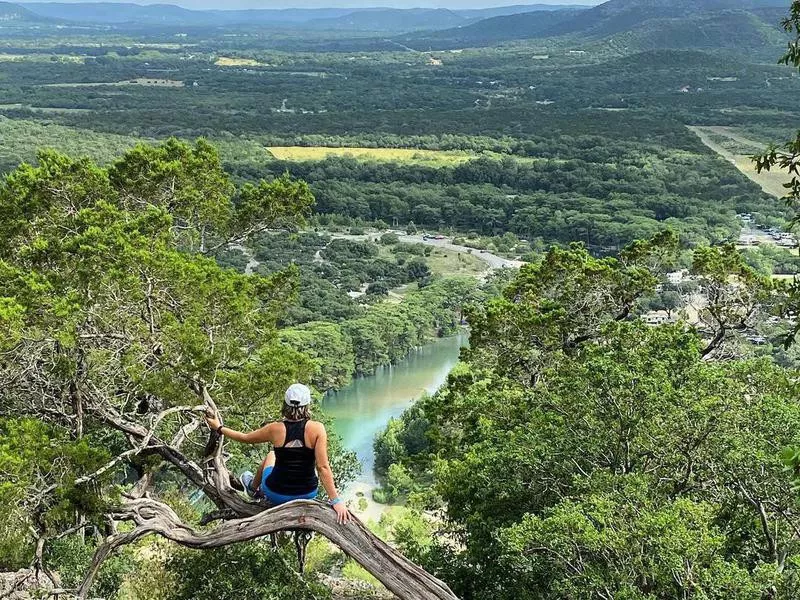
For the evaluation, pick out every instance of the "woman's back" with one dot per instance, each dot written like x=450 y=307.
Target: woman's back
x=294 y=472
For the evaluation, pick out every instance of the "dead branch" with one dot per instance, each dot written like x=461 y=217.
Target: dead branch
x=398 y=574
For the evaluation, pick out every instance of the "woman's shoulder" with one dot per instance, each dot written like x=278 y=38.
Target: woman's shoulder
x=316 y=426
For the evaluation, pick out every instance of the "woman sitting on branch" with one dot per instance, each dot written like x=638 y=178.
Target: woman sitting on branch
x=300 y=453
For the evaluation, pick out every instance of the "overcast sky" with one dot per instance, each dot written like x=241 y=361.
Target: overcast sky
x=234 y=4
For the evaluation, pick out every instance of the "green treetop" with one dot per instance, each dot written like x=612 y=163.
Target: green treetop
x=113 y=318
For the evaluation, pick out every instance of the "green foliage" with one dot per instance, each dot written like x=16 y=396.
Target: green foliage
x=418 y=269
x=387 y=332
x=389 y=239
x=561 y=301
x=31 y=452
x=769 y=260
x=114 y=313
x=624 y=543
x=251 y=571
x=379 y=288
x=330 y=349
x=592 y=456
x=410 y=530
x=398 y=485
x=73 y=555
x=403 y=438
x=587 y=204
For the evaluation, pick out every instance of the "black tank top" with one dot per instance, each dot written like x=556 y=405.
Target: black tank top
x=294 y=473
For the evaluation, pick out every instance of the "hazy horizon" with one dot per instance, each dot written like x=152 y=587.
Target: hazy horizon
x=282 y=4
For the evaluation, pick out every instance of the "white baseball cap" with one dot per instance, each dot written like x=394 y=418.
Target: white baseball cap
x=298 y=395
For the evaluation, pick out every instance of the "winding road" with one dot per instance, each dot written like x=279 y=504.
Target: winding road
x=492 y=260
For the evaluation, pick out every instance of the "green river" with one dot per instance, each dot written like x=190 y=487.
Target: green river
x=363 y=408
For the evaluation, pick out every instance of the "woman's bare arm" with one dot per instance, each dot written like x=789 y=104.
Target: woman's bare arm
x=326 y=474
x=259 y=436
x=323 y=465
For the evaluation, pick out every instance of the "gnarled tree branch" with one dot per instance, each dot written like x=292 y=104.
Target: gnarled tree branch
x=398 y=574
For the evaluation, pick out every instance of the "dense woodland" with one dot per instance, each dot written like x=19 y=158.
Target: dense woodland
x=193 y=210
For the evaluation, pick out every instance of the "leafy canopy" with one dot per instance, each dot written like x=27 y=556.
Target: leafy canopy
x=113 y=314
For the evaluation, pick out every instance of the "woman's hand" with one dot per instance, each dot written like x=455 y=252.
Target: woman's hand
x=212 y=421
x=342 y=514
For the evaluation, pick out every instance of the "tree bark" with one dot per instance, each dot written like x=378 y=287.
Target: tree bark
x=244 y=520
x=400 y=576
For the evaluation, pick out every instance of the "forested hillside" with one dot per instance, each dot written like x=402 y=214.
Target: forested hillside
x=640 y=469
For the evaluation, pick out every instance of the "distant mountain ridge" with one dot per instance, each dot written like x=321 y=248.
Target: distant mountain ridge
x=391 y=19
x=637 y=24
x=14 y=12
x=493 y=30
x=616 y=16
x=362 y=19
x=633 y=24
x=122 y=12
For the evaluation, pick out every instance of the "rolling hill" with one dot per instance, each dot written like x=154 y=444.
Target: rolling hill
x=347 y=19
x=735 y=30
x=111 y=13
x=491 y=31
x=15 y=13
x=618 y=16
x=391 y=20
x=634 y=25
x=477 y=14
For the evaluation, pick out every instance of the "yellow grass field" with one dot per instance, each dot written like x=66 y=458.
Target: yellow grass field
x=408 y=155
x=229 y=61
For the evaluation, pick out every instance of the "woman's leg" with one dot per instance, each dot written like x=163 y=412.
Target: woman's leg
x=269 y=461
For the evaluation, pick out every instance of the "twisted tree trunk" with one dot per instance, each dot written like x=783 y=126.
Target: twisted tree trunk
x=243 y=520
x=402 y=577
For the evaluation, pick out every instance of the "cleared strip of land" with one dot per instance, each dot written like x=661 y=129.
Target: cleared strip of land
x=44 y=109
x=142 y=81
x=408 y=155
x=48 y=58
x=734 y=147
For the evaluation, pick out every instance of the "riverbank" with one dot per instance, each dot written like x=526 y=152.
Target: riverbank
x=358 y=496
x=363 y=408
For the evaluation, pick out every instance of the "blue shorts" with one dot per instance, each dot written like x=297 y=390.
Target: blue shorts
x=276 y=498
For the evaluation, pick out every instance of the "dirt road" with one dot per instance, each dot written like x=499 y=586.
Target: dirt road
x=770 y=182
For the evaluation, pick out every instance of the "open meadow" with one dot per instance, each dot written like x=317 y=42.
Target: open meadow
x=400 y=155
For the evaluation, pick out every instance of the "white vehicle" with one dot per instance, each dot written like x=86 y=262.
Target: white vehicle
x=748 y=240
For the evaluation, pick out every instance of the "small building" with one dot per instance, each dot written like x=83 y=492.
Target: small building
x=657 y=317
x=676 y=277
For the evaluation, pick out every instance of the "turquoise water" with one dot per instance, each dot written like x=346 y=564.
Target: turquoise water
x=363 y=408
